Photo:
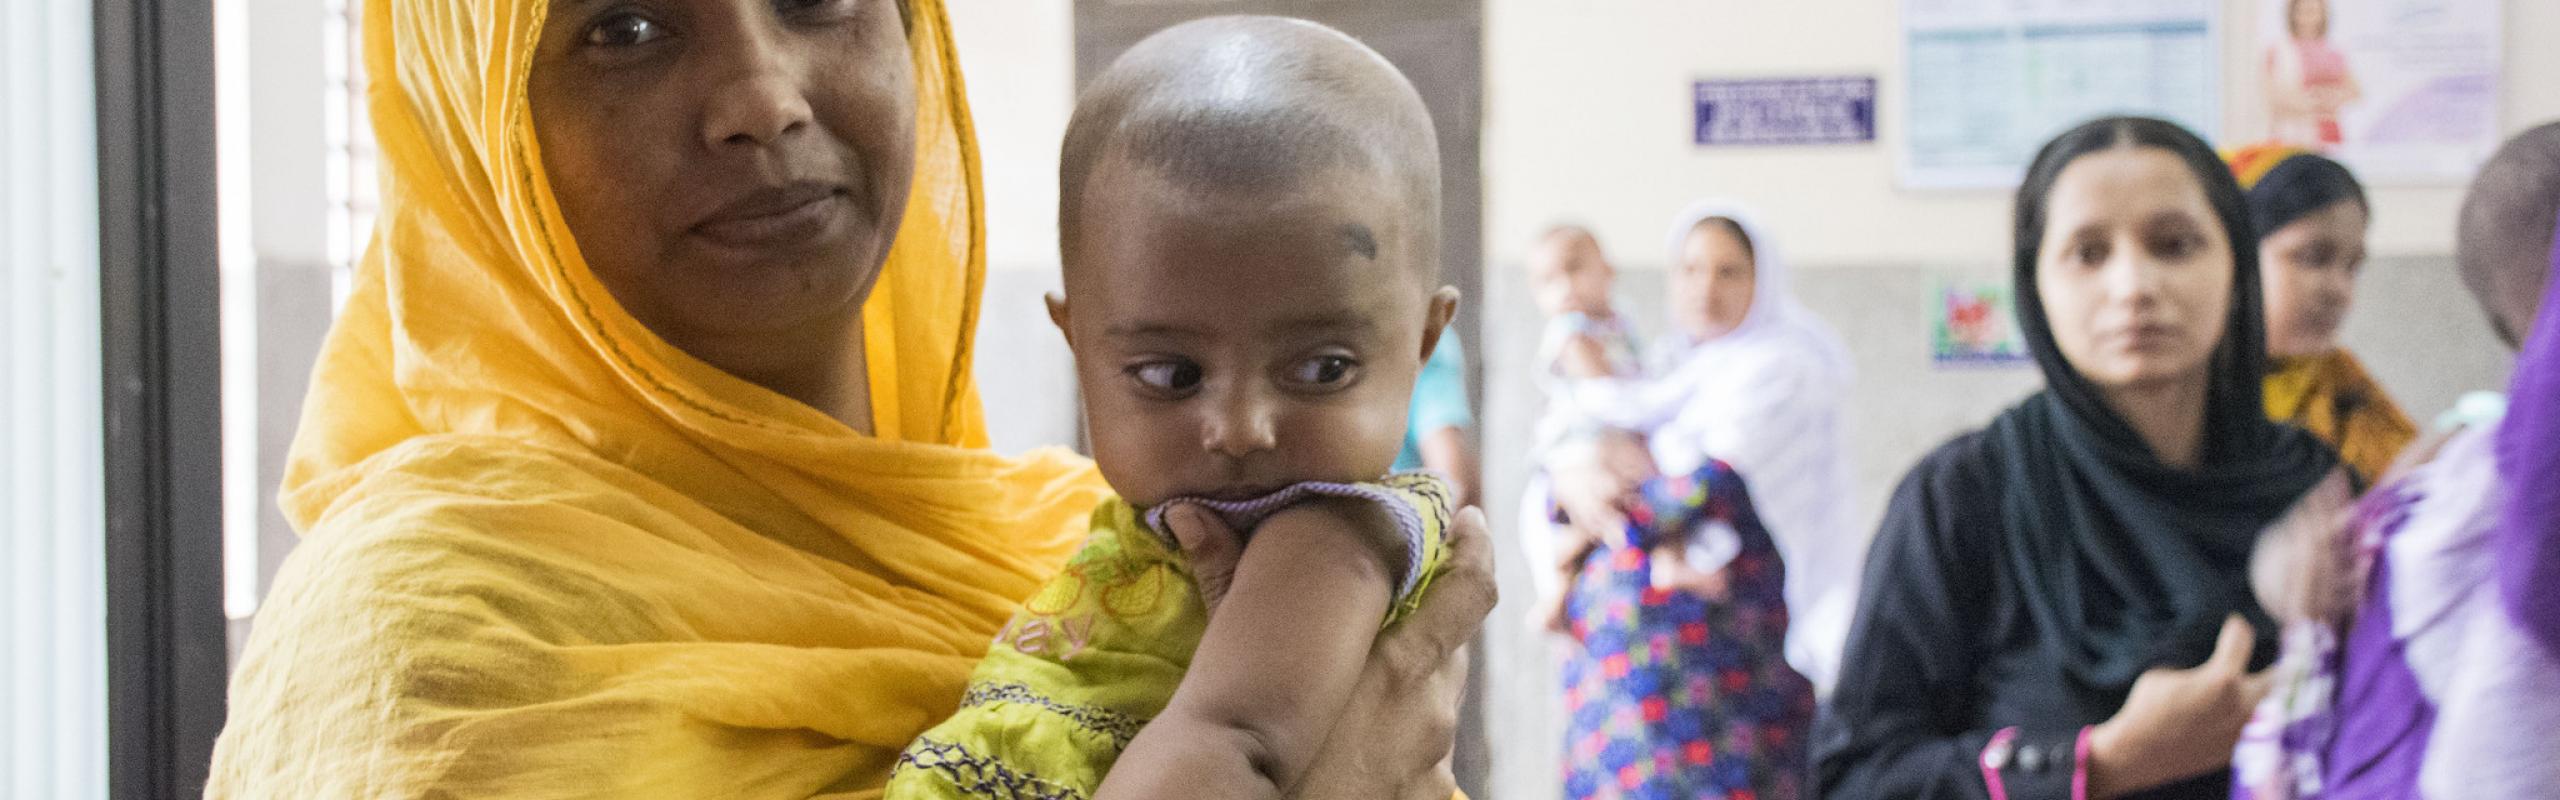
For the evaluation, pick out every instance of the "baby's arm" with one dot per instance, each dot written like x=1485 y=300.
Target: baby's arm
x=1277 y=663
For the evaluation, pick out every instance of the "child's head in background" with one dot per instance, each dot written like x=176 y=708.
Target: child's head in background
x=1569 y=275
x=2506 y=231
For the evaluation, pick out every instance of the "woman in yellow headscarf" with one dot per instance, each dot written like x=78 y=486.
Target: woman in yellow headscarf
x=646 y=460
x=2311 y=214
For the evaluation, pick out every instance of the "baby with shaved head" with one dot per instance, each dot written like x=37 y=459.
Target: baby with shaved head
x=1249 y=222
x=2507 y=225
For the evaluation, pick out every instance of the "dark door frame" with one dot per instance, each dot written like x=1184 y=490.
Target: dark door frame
x=167 y=662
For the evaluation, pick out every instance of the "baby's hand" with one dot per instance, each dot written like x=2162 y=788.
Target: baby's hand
x=1672 y=572
x=1211 y=549
x=2304 y=567
x=1548 y=616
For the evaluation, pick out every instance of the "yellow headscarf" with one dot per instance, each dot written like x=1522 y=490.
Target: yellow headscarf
x=546 y=554
x=2332 y=397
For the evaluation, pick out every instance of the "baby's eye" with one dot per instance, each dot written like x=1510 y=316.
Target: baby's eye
x=624 y=30
x=1324 y=371
x=1170 y=377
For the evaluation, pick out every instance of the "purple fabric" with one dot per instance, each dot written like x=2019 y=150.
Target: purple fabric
x=2383 y=718
x=2528 y=536
x=1243 y=515
x=2282 y=748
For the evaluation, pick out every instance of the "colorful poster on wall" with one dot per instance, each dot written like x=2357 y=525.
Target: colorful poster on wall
x=2403 y=91
x=1991 y=80
x=1972 y=324
x=1784 y=111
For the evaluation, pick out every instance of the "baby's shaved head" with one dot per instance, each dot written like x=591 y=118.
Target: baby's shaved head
x=1249 y=216
x=1569 y=235
x=2505 y=240
x=1261 y=107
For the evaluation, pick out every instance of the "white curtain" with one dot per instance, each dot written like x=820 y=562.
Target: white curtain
x=52 y=559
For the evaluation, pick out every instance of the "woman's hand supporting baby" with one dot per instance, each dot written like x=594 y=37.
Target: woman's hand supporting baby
x=1395 y=723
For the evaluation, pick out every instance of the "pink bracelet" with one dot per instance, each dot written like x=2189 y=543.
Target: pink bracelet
x=1995 y=755
x=2080 y=765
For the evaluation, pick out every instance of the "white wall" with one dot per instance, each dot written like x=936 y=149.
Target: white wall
x=1606 y=140
x=53 y=512
x=276 y=139
x=1019 y=59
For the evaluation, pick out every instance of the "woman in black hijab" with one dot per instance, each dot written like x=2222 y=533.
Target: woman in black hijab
x=2049 y=608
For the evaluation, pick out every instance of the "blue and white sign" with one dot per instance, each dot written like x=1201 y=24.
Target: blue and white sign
x=1779 y=111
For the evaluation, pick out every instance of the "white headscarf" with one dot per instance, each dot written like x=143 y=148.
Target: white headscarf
x=1767 y=397
x=1776 y=321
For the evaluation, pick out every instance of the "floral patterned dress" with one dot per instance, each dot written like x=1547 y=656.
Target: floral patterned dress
x=1676 y=696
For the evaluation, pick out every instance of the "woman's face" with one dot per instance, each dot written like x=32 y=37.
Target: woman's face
x=733 y=170
x=2309 y=269
x=1712 y=286
x=2135 y=271
x=2310 y=18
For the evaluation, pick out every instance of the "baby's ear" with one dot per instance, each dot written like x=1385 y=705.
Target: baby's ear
x=1444 y=307
x=1058 y=316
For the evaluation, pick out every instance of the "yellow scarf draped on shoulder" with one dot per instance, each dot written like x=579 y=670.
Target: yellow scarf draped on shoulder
x=2332 y=397
x=545 y=554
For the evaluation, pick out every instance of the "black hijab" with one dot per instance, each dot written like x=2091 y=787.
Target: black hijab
x=2129 y=563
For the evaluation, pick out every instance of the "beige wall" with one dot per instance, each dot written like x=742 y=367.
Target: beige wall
x=1587 y=119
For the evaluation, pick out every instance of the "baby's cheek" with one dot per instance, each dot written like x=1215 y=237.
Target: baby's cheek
x=1357 y=442
x=1140 y=452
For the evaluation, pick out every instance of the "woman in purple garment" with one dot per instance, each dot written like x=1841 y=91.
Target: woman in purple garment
x=2443 y=680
